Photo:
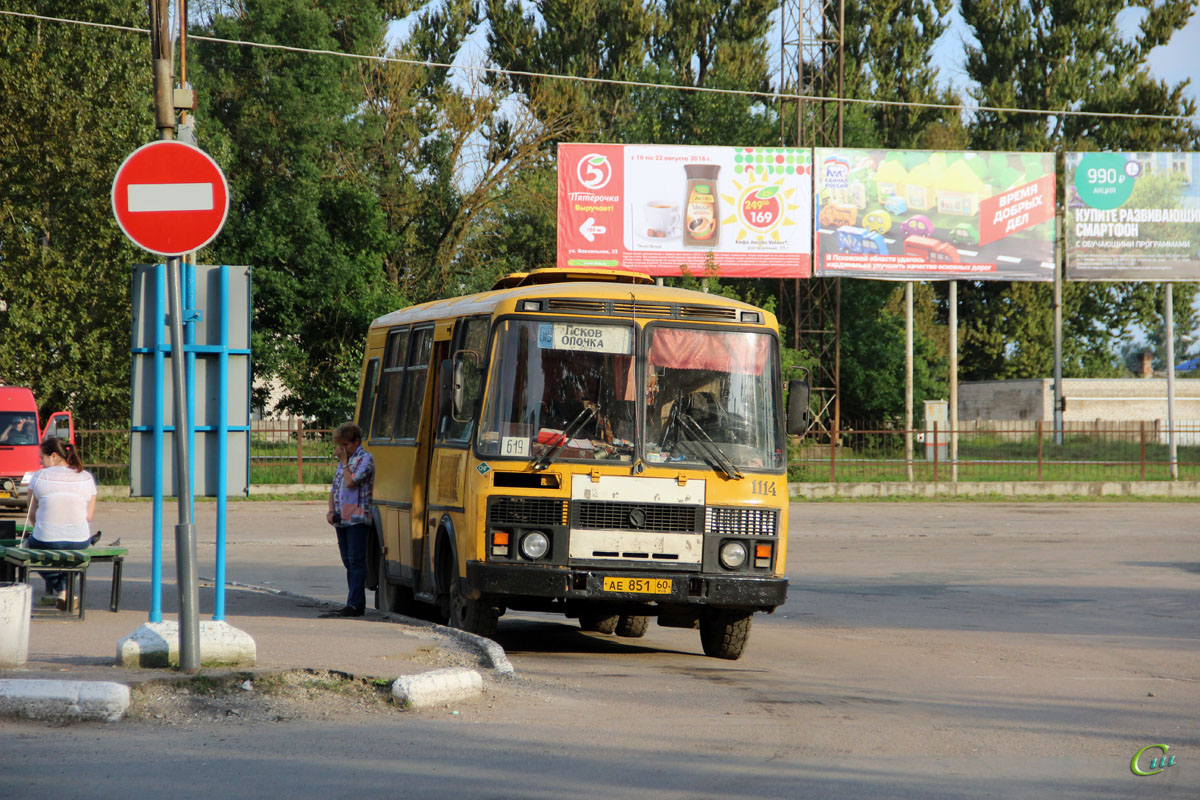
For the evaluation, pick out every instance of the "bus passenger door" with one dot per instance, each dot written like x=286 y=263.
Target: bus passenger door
x=451 y=433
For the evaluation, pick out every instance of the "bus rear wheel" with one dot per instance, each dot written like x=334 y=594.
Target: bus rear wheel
x=473 y=615
x=632 y=625
x=724 y=632
x=599 y=623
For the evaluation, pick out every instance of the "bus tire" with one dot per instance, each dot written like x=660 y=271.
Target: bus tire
x=724 y=632
x=473 y=615
x=599 y=623
x=632 y=625
x=389 y=596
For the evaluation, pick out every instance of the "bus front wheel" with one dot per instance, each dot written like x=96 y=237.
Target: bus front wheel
x=724 y=632
x=389 y=596
x=473 y=615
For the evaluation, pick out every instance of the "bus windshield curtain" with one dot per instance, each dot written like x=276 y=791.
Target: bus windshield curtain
x=683 y=348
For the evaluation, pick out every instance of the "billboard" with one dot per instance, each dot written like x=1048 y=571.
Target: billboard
x=663 y=209
x=931 y=215
x=1133 y=216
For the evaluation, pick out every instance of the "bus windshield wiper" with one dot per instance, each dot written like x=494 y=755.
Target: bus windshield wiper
x=549 y=451
x=716 y=456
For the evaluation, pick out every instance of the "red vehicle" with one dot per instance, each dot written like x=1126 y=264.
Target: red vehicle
x=930 y=249
x=19 y=439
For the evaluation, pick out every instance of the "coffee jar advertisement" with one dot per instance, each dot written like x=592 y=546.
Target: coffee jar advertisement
x=669 y=209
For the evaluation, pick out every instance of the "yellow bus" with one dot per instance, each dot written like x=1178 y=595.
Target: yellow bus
x=580 y=442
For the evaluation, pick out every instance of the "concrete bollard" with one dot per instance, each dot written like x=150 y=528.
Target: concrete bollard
x=446 y=685
x=16 y=606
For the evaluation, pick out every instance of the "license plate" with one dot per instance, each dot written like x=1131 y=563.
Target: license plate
x=6 y=494
x=638 y=585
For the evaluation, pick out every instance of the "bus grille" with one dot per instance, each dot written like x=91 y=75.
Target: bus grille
x=635 y=516
x=741 y=521
x=528 y=511
x=708 y=312
x=570 y=305
x=626 y=307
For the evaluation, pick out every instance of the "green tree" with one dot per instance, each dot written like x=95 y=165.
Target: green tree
x=710 y=44
x=1064 y=55
x=606 y=39
x=285 y=126
x=448 y=155
x=889 y=47
x=74 y=101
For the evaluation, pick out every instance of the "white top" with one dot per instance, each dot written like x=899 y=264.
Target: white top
x=62 y=500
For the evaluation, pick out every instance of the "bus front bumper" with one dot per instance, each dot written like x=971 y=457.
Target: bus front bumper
x=571 y=583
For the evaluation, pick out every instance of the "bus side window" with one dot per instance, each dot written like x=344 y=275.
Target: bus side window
x=390 y=384
x=368 y=395
x=408 y=421
x=469 y=342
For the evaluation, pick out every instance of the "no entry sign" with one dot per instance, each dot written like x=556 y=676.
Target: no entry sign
x=170 y=198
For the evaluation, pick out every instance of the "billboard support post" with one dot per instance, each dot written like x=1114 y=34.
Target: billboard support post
x=953 y=432
x=1058 y=389
x=908 y=380
x=1169 y=312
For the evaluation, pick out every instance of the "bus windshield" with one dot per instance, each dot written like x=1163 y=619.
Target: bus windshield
x=711 y=398
x=568 y=390
x=560 y=390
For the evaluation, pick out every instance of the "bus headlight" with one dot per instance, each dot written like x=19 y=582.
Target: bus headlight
x=733 y=555
x=535 y=545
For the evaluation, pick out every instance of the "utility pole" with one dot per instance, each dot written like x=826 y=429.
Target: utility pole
x=185 y=531
x=162 y=56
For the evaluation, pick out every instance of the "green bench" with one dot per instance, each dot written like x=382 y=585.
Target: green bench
x=72 y=562
x=19 y=561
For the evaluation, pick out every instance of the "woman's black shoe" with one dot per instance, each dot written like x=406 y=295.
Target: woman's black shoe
x=346 y=611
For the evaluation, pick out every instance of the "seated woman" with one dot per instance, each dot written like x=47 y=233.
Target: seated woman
x=62 y=501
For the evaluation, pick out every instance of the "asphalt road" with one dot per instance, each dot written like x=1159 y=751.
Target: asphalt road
x=927 y=650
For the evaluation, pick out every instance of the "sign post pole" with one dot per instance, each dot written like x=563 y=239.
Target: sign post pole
x=185 y=530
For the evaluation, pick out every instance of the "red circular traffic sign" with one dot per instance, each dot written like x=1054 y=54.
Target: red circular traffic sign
x=170 y=198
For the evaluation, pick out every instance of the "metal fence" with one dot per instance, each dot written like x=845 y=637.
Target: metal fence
x=1009 y=451
x=1001 y=451
x=278 y=455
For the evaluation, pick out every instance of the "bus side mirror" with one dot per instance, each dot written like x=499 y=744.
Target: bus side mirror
x=799 y=396
x=460 y=383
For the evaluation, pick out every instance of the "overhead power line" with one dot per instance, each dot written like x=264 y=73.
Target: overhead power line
x=774 y=96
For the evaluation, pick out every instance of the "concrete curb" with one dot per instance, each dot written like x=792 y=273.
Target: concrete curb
x=108 y=701
x=437 y=687
x=1022 y=489
x=490 y=654
x=104 y=701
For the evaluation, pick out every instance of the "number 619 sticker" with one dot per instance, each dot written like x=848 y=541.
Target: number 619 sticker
x=514 y=446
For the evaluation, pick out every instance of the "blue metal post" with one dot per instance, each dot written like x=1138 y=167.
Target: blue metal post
x=156 y=553
x=222 y=445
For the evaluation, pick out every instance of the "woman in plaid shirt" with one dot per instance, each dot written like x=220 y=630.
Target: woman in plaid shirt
x=350 y=513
